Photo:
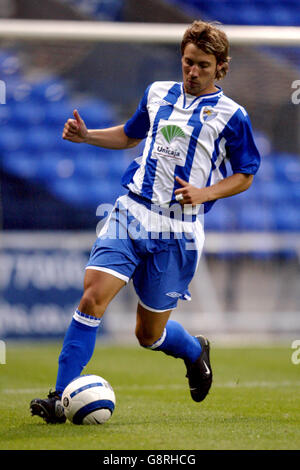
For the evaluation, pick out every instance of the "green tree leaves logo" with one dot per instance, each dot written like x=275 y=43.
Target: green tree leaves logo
x=171 y=131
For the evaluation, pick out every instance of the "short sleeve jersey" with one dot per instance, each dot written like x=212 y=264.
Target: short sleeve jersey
x=190 y=137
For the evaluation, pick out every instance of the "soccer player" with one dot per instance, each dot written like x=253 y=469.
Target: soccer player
x=154 y=234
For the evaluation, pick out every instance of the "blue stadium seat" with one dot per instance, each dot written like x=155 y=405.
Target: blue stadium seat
x=18 y=89
x=96 y=113
x=281 y=15
x=48 y=166
x=294 y=192
x=10 y=64
x=287 y=167
x=50 y=89
x=20 y=164
x=272 y=192
x=117 y=165
x=249 y=15
x=288 y=218
x=103 y=10
x=57 y=113
x=42 y=138
x=11 y=139
x=82 y=193
x=256 y=217
x=90 y=166
x=266 y=170
x=220 y=218
x=6 y=115
x=28 y=114
x=247 y=12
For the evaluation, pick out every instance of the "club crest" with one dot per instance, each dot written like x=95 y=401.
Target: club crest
x=207 y=114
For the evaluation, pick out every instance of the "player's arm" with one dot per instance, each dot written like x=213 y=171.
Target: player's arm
x=111 y=138
x=76 y=131
x=243 y=157
x=233 y=184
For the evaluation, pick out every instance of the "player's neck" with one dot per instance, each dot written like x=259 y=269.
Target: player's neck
x=206 y=91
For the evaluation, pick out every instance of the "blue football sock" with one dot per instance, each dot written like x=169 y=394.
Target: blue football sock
x=177 y=342
x=77 y=349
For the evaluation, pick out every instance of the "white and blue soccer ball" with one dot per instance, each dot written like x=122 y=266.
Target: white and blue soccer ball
x=88 y=399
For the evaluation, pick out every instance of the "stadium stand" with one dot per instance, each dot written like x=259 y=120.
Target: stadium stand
x=34 y=156
x=248 y=12
x=32 y=151
x=102 y=11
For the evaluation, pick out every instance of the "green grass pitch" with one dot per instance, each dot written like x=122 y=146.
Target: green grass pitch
x=253 y=404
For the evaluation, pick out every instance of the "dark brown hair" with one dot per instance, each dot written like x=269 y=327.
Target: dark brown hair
x=210 y=40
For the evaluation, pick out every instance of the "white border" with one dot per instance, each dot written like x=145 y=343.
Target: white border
x=110 y=271
x=161 y=33
x=153 y=309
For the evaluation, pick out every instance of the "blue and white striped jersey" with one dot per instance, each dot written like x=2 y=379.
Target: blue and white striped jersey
x=187 y=136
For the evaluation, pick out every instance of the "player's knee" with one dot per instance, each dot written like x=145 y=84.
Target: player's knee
x=145 y=338
x=91 y=303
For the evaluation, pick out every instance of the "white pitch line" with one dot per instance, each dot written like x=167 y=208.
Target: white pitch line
x=263 y=384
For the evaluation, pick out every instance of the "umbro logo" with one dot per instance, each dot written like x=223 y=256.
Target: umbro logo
x=174 y=294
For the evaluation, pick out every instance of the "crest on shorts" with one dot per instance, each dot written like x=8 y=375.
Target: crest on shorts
x=207 y=114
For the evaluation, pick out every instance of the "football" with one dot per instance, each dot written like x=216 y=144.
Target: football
x=88 y=399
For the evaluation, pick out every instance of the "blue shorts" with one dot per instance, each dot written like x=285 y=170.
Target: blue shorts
x=161 y=268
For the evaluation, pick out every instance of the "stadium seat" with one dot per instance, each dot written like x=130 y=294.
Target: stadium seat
x=18 y=89
x=58 y=112
x=287 y=168
x=50 y=89
x=28 y=114
x=288 y=218
x=102 y=10
x=6 y=115
x=271 y=192
x=77 y=191
x=11 y=139
x=220 y=218
x=10 y=64
x=89 y=166
x=266 y=170
x=96 y=112
x=21 y=164
x=256 y=12
x=41 y=138
x=256 y=217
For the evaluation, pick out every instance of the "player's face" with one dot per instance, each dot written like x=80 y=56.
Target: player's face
x=198 y=71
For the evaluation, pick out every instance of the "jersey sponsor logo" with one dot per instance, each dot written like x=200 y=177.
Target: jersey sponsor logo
x=172 y=131
x=170 y=135
x=168 y=151
x=207 y=114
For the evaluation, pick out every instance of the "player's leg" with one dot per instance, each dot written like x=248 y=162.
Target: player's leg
x=155 y=331
x=79 y=342
x=160 y=281
x=111 y=264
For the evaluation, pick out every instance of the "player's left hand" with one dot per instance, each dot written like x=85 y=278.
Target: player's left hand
x=190 y=194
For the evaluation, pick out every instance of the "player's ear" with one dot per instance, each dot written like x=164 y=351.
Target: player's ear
x=220 y=69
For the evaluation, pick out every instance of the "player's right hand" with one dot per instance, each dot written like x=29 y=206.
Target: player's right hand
x=75 y=129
